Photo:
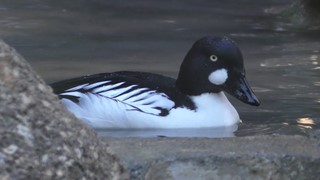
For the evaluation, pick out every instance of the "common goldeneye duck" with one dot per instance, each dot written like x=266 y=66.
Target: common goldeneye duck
x=144 y=100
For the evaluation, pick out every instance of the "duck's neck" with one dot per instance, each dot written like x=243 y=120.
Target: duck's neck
x=210 y=100
x=193 y=85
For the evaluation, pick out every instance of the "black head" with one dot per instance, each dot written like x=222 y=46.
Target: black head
x=215 y=64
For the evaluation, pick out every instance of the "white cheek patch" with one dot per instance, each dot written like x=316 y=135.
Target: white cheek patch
x=218 y=77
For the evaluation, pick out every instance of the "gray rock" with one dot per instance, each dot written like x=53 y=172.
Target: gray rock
x=39 y=139
x=258 y=157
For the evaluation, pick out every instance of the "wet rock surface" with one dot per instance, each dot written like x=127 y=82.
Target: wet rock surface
x=259 y=157
x=39 y=139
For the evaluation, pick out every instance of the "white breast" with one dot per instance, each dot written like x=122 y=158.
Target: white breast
x=213 y=110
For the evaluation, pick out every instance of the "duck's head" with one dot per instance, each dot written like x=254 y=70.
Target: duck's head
x=215 y=64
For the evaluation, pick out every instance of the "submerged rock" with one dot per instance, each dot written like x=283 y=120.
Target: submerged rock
x=303 y=14
x=39 y=139
x=311 y=8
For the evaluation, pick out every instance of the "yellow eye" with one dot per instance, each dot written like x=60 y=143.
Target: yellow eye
x=213 y=58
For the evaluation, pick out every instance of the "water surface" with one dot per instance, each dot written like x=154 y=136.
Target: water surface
x=67 y=39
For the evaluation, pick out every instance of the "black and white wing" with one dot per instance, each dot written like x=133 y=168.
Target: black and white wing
x=134 y=90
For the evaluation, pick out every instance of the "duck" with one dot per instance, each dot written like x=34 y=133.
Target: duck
x=143 y=100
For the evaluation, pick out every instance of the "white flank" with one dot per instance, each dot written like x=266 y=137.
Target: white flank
x=218 y=77
x=107 y=105
x=213 y=110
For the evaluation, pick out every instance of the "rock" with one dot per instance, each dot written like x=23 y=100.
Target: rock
x=39 y=138
x=256 y=157
x=213 y=167
x=315 y=137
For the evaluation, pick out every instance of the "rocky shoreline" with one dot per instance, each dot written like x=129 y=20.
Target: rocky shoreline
x=41 y=140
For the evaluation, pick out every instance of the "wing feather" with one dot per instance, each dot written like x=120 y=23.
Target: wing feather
x=137 y=98
x=94 y=85
x=140 y=91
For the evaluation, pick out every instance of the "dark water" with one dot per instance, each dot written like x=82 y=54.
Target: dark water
x=63 y=39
